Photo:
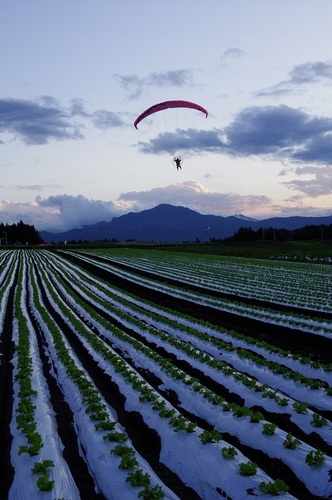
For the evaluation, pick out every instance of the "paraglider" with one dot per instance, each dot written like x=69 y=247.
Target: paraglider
x=180 y=103
x=166 y=105
x=177 y=160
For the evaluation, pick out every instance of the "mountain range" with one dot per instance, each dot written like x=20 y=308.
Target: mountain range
x=174 y=224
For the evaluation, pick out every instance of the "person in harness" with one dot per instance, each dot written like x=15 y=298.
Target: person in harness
x=177 y=162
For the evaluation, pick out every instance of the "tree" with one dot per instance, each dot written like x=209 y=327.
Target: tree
x=19 y=234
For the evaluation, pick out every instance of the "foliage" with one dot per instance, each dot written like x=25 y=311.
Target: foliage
x=309 y=232
x=138 y=478
x=315 y=458
x=228 y=452
x=248 y=468
x=274 y=488
x=180 y=423
x=318 y=421
x=290 y=442
x=42 y=467
x=19 y=234
x=210 y=436
x=116 y=436
x=256 y=417
x=152 y=493
x=268 y=429
x=300 y=407
x=44 y=483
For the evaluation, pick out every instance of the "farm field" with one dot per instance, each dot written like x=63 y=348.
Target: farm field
x=130 y=373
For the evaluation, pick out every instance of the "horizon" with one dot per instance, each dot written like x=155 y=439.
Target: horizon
x=241 y=217
x=71 y=155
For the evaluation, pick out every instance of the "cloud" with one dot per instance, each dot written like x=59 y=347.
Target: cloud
x=320 y=183
x=36 y=123
x=191 y=140
x=75 y=211
x=275 y=132
x=281 y=132
x=30 y=213
x=175 y=78
x=37 y=187
x=104 y=119
x=62 y=212
x=59 y=213
x=131 y=84
x=299 y=76
x=195 y=196
x=77 y=108
x=311 y=72
x=232 y=53
x=134 y=86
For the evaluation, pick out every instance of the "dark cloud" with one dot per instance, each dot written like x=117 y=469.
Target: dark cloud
x=317 y=149
x=104 y=119
x=134 y=86
x=46 y=120
x=276 y=132
x=191 y=140
x=175 y=78
x=36 y=123
x=59 y=213
x=311 y=72
x=66 y=211
x=299 y=76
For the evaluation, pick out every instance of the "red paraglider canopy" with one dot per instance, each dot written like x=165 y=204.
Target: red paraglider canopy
x=166 y=105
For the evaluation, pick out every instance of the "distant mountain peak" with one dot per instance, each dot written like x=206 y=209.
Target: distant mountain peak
x=244 y=217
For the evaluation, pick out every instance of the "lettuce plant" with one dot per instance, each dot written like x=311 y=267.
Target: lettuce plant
x=291 y=443
x=268 y=429
x=274 y=488
x=213 y=436
x=228 y=452
x=315 y=458
x=318 y=421
x=248 y=468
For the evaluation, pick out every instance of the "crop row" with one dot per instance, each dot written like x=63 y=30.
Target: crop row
x=36 y=452
x=83 y=285
x=147 y=397
x=301 y=284
x=104 y=427
x=312 y=324
x=196 y=335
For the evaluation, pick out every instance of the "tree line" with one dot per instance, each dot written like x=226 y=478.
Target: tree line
x=311 y=232
x=19 y=234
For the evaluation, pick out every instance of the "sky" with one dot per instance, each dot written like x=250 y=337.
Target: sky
x=75 y=74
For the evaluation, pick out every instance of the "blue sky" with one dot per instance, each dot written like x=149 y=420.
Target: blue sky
x=76 y=73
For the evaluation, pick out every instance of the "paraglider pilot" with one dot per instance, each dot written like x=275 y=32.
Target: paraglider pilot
x=177 y=161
